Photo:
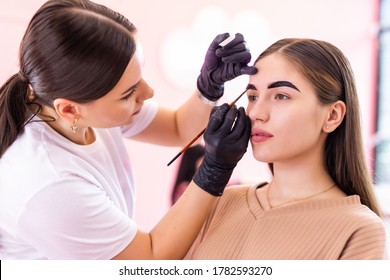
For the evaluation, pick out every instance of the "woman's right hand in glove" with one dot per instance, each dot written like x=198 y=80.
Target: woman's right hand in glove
x=226 y=140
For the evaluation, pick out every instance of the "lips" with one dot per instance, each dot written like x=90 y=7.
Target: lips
x=259 y=135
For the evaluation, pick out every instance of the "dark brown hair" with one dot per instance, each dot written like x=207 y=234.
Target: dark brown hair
x=73 y=49
x=331 y=75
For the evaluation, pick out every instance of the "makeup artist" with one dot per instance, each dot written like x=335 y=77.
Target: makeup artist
x=66 y=187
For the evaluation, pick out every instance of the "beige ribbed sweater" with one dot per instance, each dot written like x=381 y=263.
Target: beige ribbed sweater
x=325 y=229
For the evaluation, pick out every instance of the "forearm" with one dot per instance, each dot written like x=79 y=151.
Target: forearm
x=192 y=117
x=179 y=126
x=173 y=236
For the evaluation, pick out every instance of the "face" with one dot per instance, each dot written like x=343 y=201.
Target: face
x=119 y=106
x=287 y=119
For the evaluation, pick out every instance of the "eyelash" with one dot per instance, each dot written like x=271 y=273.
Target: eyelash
x=283 y=96
x=127 y=97
x=278 y=96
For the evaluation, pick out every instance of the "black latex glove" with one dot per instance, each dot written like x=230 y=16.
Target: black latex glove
x=226 y=140
x=223 y=64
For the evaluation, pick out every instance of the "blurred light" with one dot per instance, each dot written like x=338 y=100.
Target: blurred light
x=183 y=50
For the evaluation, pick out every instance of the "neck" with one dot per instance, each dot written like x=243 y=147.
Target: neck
x=83 y=136
x=298 y=180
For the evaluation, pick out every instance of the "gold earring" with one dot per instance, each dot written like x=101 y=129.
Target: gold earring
x=74 y=126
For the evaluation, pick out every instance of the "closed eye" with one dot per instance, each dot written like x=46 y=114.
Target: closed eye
x=131 y=92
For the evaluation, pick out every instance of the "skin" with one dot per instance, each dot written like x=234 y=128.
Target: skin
x=289 y=128
x=172 y=237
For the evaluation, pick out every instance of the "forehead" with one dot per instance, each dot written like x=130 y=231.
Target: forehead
x=139 y=51
x=276 y=62
x=277 y=67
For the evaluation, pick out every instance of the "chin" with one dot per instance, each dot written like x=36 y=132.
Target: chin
x=262 y=157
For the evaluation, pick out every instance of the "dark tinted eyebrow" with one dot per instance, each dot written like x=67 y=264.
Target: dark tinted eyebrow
x=251 y=86
x=283 y=84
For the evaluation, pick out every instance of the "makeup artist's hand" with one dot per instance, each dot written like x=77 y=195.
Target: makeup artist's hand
x=226 y=140
x=223 y=64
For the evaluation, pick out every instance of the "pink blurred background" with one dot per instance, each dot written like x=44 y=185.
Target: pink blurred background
x=175 y=35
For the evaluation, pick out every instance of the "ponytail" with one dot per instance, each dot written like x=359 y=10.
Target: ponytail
x=13 y=110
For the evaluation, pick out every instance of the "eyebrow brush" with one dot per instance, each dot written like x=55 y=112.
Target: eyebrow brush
x=201 y=133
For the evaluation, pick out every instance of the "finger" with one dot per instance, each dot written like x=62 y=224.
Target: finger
x=217 y=40
x=247 y=131
x=232 y=70
x=219 y=111
x=243 y=139
x=238 y=38
x=248 y=70
x=239 y=125
x=241 y=57
x=222 y=52
x=228 y=122
x=217 y=116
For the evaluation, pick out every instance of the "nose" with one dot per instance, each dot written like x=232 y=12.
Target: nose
x=145 y=91
x=257 y=111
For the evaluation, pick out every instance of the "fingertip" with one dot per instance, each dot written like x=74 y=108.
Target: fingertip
x=219 y=53
x=233 y=107
x=249 y=70
x=221 y=37
x=213 y=110
x=232 y=112
x=240 y=111
x=225 y=106
x=241 y=108
x=239 y=36
x=219 y=111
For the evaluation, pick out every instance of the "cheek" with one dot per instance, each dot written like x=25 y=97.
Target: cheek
x=121 y=113
x=109 y=114
x=298 y=129
x=301 y=125
x=299 y=117
x=121 y=107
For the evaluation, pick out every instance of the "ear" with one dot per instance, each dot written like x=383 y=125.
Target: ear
x=66 y=109
x=335 y=115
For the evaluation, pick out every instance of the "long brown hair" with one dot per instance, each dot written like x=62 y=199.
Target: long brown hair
x=331 y=75
x=73 y=49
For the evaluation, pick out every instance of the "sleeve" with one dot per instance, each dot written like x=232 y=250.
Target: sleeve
x=368 y=242
x=75 y=220
x=142 y=120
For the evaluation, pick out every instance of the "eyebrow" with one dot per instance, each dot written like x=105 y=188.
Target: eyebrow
x=282 y=84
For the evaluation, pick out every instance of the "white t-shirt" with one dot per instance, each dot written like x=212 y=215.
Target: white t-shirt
x=60 y=200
